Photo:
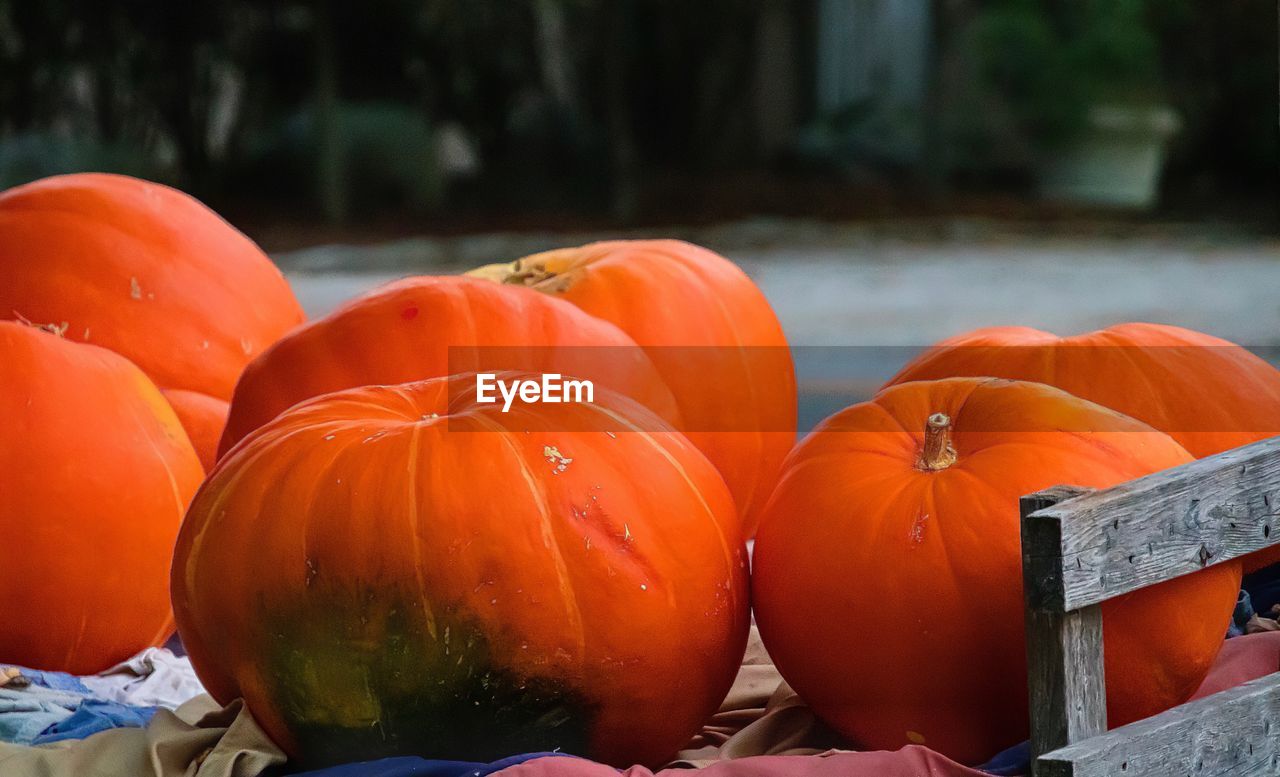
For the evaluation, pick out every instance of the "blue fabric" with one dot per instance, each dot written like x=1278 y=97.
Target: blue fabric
x=52 y=706
x=1264 y=589
x=57 y=681
x=92 y=716
x=1016 y=760
x=412 y=766
x=1241 y=615
x=25 y=713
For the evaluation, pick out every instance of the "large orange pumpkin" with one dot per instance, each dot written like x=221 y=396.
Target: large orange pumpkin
x=1209 y=394
x=427 y=327
x=710 y=332
x=144 y=270
x=887 y=575
x=95 y=473
x=433 y=576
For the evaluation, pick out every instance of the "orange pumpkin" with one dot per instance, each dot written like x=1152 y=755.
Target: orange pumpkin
x=95 y=473
x=144 y=270
x=1209 y=394
x=710 y=332
x=203 y=417
x=887 y=576
x=438 y=577
x=427 y=327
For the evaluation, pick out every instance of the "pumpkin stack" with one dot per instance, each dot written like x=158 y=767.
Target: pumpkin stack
x=132 y=310
x=450 y=579
x=150 y=273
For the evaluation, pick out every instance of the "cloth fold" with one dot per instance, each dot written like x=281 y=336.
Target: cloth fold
x=38 y=707
x=761 y=730
x=153 y=678
x=199 y=740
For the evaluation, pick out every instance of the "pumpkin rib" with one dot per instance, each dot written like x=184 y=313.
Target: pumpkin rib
x=644 y=435
x=550 y=541
x=415 y=536
x=753 y=486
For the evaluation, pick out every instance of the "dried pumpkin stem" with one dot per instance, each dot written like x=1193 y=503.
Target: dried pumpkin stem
x=938 y=452
x=527 y=274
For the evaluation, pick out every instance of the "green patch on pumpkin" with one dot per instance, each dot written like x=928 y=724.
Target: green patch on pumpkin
x=366 y=679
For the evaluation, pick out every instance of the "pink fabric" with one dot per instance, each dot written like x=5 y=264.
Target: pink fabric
x=1242 y=659
x=910 y=761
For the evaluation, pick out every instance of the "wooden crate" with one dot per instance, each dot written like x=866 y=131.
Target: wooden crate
x=1081 y=548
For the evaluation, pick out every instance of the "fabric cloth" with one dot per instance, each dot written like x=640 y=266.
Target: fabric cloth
x=759 y=720
x=198 y=740
x=910 y=761
x=93 y=715
x=153 y=678
x=420 y=767
x=1263 y=587
x=761 y=715
x=1242 y=659
x=38 y=707
x=25 y=713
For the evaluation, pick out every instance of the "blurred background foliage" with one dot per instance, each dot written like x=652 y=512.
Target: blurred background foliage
x=503 y=112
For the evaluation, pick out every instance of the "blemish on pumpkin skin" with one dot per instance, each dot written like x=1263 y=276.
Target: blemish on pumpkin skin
x=554 y=456
x=916 y=535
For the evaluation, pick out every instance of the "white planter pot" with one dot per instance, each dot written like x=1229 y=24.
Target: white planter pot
x=1116 y=162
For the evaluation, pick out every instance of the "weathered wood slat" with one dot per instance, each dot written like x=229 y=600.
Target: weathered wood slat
x=1165 y=525
x=1066 y=683
x=1236 y=732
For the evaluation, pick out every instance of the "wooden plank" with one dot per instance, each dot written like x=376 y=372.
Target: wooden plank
x=1065 y=677
x=1236 y=732
x=1165 y=525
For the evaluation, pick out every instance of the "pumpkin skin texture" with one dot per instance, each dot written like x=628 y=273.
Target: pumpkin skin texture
x=435 y=577
x=1209 y=394
x=709 y=330
x=96 y=473
x=203 y=417
x=428 y=327
x=890 y=595
x=145 y=271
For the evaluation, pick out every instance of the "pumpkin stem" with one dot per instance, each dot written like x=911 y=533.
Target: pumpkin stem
x=938 y=451
x=518 y=273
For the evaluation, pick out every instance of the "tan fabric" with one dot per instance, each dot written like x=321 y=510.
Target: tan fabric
x=760 y=716
x=199 y=740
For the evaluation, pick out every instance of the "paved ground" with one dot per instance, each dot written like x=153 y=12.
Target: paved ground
x=858 y=289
